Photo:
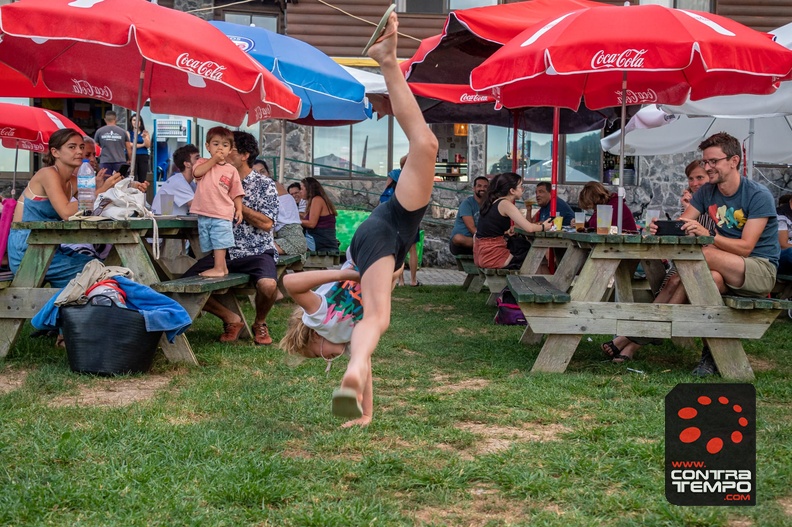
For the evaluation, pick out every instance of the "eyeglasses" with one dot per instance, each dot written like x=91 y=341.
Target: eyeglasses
x=711 y=162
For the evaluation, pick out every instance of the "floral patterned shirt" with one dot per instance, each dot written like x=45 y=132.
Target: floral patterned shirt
x=261 y=195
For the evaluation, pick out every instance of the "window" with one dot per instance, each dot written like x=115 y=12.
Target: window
x=259 y=20
x=439 y=6
x=696 y=5
x=369 y=148
x=581 y=152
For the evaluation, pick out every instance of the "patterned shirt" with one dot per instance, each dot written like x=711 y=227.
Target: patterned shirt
x=261 y=195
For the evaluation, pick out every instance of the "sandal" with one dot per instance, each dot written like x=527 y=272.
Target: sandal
x=378 y=35
x=618 y=359
x=610 y=349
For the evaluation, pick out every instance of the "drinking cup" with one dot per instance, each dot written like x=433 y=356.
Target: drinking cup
x=166 y=204
x=604 y=218
x=580 y=221
x=558 y=222
x=652 y=214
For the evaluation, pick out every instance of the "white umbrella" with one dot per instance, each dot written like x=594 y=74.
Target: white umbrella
x=654 y=131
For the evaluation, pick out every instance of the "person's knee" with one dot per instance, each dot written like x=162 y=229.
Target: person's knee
x=380 y=321
x=266 y=287
x=720 y=283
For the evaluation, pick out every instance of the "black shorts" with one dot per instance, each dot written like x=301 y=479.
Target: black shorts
x=258 y=266
x=459 y=249
x=389 y=231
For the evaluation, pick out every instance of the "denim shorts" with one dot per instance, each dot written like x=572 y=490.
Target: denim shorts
x=215 y=233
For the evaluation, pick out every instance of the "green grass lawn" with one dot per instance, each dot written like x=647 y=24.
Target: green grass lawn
x=463 y=433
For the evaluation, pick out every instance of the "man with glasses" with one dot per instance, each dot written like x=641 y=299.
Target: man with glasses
x=744 y=256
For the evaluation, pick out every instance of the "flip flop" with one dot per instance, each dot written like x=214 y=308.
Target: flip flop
x=380 y=28
x=610 y=349
x=345 y=403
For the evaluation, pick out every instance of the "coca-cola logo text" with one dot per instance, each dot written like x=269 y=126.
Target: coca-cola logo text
x=35 y=147
x=263 y=113
x=473 y=97
x=638 y=97
x=82 y=87
x=629 y=58
x=207 y=68
x=7 y=131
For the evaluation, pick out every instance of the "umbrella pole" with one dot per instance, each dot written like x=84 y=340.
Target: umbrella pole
x=620 y=189
x=514 y=143
x=751 y=133
x=282 y=162
x=554 y=173
x=13 y=180
x=137 y=113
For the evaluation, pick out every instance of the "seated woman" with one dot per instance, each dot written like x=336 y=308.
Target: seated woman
x=621 y=349
x=49 y=197
x=784 y=212
x=498 y=212
x=594 y=193
x=320 y=216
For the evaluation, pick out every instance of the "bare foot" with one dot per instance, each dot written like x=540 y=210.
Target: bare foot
x=385 y=47
x=214 y=273
x=361 y=421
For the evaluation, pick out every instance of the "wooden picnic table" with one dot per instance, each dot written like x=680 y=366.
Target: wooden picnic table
x=565 y=319
x=26 y=294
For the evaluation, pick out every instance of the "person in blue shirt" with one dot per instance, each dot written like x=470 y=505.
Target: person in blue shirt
x=543 y=200
x=467 y=219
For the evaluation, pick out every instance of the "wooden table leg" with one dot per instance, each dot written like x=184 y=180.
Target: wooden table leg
x=589 y=287
x=230 y=301
x=31 y=273
x=728 y=354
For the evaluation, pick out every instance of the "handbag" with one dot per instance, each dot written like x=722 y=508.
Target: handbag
x=123 y=202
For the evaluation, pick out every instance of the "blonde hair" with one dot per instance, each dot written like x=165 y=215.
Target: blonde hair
x=593 y=193
x=298 y=335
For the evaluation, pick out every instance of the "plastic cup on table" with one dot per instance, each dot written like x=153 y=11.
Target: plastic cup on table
x=580 y=221
x=166 y=204
x=558 y=223
x=604 y=218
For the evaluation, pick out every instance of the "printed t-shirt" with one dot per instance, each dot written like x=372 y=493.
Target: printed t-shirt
x=215 y=192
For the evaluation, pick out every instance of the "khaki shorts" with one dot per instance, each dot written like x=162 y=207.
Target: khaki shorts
x=760 y=277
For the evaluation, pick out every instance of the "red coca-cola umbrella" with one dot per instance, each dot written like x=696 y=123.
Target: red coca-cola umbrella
x=631 y=55
x=440 y=70
x=29 y=128
x=127 y=51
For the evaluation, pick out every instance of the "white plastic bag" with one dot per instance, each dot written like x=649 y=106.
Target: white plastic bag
x=122 y=201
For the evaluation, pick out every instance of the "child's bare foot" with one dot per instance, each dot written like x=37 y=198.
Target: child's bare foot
x=346 y=403
x=363 y=421
x=385 y=46
x=214 y=273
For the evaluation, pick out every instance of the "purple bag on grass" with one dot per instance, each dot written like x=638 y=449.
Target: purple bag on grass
x=509 y=313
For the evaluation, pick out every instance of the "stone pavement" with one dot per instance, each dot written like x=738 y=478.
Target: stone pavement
x=435 y=276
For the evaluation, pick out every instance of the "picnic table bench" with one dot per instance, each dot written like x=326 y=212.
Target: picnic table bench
x=474 y=280
x=321 y=260
x=721 y=322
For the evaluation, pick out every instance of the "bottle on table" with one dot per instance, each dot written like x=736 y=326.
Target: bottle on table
x=86 y=187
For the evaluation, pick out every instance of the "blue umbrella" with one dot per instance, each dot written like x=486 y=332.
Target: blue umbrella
x=330 y=96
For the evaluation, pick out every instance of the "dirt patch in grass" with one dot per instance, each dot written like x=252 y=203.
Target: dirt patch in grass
x=432 y=307
x=485 y=507
x=496 y=438
x=115 y=392
x=740 y=522
x=11 y=380
x=786 y=505
x=758 y=364
x=466 y=384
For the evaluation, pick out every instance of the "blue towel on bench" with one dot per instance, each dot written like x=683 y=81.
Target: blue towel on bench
x=160 y=312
